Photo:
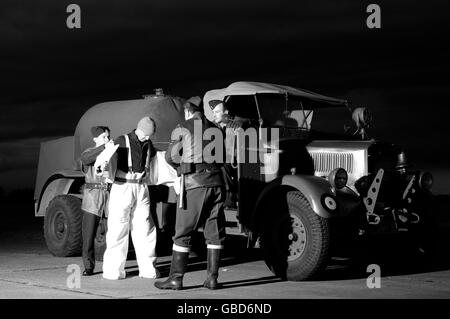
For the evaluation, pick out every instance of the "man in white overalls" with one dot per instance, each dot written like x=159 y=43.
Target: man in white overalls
x=129 y=205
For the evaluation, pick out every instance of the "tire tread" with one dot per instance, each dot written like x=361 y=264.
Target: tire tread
x=74 y=243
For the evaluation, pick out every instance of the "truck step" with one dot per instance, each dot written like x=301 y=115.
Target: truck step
x=232 y=226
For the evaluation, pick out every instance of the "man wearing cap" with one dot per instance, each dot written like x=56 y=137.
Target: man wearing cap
x=204 y=193
x=95 y=196
x=224 y=119
x=228 y=124
x=129 y=205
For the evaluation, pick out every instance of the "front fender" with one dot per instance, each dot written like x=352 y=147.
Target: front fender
x=57 y=184
x=312 y=187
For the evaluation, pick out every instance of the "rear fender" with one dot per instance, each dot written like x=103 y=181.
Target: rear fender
x=57 y=184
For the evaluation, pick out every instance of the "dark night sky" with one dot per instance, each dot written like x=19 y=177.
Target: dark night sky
x=51 y=75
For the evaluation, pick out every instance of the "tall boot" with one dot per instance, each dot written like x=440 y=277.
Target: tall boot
x=212 y=271
x=177 y=270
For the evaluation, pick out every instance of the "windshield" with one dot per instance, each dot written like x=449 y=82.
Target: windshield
x=332 y=120
x=293 y=112
x=273 y=109
x=278 y=111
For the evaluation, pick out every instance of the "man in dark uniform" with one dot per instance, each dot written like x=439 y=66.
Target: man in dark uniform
x=204 y=196
x=224 y=119
x=228 y=124
x=95 y=197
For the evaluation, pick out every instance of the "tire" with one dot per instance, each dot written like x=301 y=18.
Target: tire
x=62 y=226
x=100 y=239
x=295 y=240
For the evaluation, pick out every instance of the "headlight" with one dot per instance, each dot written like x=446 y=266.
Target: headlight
x=338 y=178
x=426 y=180
x=362 y=185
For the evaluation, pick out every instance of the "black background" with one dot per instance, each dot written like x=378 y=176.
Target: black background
x=50 y=75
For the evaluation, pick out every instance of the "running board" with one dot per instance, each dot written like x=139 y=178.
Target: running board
x=232 y=225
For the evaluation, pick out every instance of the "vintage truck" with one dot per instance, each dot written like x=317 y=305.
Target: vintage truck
x=312 y=189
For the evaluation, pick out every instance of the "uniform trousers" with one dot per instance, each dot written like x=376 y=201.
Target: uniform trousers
x=89 y=231
x=204 y=208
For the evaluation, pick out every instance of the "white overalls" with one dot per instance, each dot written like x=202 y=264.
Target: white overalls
x=129 y=209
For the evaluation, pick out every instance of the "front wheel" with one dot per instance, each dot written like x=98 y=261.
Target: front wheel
x=295 y=239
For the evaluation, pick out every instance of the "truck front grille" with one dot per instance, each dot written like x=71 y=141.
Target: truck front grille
x=325 y=162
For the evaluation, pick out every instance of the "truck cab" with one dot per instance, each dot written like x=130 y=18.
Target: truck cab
x=309 y=183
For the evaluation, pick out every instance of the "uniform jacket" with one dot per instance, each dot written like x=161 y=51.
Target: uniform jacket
x=230 y=125
x=94 y=200
x=186 y=150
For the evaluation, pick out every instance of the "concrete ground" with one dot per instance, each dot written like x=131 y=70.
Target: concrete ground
x=28 y=275
x=28 y=271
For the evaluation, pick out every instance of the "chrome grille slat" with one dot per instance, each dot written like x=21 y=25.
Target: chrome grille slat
x=325 y=162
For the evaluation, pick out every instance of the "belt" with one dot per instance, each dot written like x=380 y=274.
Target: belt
x=133 y=181
x=204 y=167
x=102 y=186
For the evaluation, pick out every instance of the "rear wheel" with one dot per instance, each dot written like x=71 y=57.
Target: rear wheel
x=62 y=226
x=295 y=239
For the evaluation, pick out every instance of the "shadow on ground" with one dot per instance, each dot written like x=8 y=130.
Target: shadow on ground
x=398 y=257
x=392 y=262
x=235 y=253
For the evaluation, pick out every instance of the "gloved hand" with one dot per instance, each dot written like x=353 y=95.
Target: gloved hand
x=239 y=123
x=236 y=123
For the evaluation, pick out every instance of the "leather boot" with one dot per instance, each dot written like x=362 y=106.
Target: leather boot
x=212 y=271
x=177 y=270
